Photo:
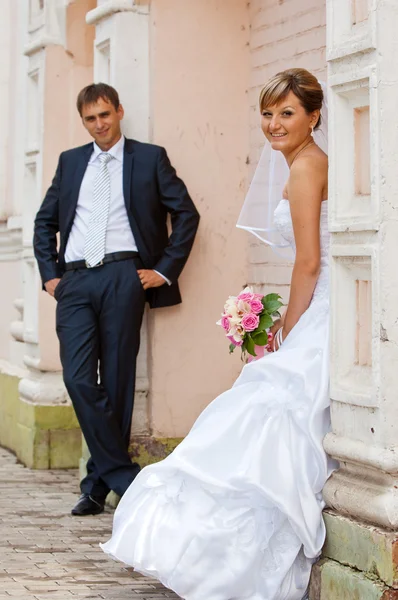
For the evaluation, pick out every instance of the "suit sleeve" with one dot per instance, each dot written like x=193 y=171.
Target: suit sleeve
x=184 y=219
x=46 y=227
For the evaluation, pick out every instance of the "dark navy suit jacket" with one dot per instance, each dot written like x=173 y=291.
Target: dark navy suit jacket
x=151 y=189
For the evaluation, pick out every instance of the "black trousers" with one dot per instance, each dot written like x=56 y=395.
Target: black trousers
x=99 y=316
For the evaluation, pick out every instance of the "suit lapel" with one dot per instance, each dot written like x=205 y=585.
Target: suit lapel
x=128 y=165
x=81 y=167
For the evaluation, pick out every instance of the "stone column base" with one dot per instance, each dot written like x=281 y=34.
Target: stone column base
x=360 y=562
x=332 y=581
x=43 y=436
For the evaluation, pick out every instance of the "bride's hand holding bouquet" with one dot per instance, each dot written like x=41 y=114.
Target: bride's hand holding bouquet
x=248 y=320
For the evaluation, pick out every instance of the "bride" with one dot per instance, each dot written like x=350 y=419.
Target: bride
x=235 y=512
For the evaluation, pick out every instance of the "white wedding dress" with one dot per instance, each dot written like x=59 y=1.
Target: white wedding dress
x=235 y=512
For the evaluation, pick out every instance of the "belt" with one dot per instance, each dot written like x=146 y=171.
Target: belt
x=108 y=258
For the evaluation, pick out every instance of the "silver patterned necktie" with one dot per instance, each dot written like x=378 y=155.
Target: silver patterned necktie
x=94 y=244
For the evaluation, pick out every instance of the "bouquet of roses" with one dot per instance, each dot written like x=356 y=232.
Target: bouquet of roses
x=247 y=319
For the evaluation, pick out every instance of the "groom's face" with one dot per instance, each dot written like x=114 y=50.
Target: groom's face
x=102 y=121
x=286 y=124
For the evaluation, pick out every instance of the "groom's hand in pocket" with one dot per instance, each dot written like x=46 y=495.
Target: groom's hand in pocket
x=51 y=285
x=150 y=279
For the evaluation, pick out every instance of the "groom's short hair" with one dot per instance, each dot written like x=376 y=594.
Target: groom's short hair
x=93 y=92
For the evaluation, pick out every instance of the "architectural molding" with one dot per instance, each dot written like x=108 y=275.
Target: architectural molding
x=355 y=451
x=48 y=27
x=10 y=243
x=112 y=7
x=43 y=388
x=7 y=368
x=42 y=42
x=16 y=330
x=362 y=493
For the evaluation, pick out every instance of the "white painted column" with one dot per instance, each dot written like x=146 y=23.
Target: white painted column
x=5 y=78
x=46 y=31
x=362 y=52
x=121 y=58
x=13 y=32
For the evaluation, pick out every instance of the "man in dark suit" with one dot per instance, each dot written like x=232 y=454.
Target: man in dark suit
x=109 y=200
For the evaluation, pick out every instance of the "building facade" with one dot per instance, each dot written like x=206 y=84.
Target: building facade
x=189 y=73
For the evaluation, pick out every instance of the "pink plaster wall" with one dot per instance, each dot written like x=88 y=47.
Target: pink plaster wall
x=200 y=73
x=66 y=73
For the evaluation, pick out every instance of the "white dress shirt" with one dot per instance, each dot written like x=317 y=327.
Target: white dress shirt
x=119 y=237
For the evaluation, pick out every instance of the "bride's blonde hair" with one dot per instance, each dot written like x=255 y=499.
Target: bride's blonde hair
x=301 y=82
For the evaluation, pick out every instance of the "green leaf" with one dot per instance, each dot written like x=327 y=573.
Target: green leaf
x=271 y=297
x=272 y=306
x=260 y=339
x=272 y=303
x=231 y=348
x=249 y=345
x=265 y=323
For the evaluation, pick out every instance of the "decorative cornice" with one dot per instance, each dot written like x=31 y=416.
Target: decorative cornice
x=42 y=42
x=112 y=7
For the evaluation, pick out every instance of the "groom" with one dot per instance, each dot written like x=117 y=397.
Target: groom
x=109 y=200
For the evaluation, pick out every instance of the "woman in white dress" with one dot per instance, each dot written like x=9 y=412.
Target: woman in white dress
x=235 y=512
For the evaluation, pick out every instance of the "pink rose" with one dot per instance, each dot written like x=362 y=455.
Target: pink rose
x=225 y=323
x=250 y=322
x=256 y=306
x=245 y=296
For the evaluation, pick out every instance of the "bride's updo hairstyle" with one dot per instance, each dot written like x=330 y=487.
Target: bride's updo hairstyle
x=301 y=82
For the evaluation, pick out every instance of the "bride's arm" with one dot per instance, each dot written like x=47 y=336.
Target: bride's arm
x=306 y=185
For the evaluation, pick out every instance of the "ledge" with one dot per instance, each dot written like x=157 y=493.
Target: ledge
x=354 y=451
x=112 y=7
x=42 y=42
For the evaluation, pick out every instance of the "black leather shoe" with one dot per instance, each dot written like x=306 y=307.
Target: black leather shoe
x=88 y=505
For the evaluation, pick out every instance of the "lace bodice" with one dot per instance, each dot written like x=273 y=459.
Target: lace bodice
x=283 y=222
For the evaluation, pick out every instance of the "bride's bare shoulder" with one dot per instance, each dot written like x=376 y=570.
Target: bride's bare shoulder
x=308 y=176
x=313 y=163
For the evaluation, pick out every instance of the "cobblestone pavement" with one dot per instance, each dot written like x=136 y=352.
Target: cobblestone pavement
x=46 y=554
